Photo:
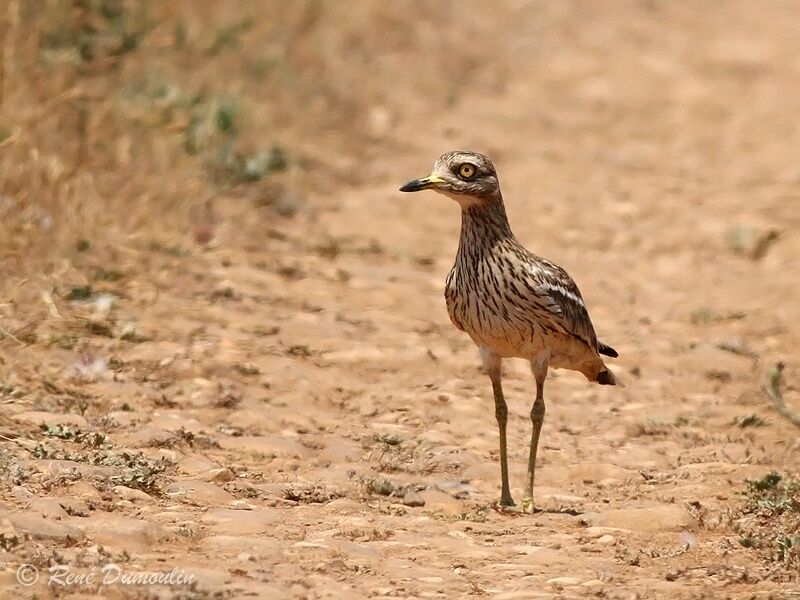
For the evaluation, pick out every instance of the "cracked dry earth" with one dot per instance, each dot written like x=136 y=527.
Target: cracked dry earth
x=296 y=417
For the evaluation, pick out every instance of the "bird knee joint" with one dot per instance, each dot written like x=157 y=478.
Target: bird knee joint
x=537 y=412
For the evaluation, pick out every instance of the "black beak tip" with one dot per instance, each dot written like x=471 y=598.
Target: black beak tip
x=411 y=186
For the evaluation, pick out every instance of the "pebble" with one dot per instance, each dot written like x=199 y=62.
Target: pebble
x=438 y=500
x=413 y=499
x=195 y=464
x=42 y=529
x=21 y=493
x=48 y=507
x=344 y=506
x=563 y=581
x=202 y=492
x=309 y=545
x=596 y=532
x=131 y=494
x=606 y=539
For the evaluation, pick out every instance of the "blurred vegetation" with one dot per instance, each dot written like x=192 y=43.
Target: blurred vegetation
x=770 y=518
x=120 y=119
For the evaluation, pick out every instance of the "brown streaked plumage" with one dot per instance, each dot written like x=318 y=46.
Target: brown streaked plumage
x=511 y=302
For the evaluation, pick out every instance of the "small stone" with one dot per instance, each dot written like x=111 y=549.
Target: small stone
x=367 y=408
x=413 y=499
x=131 y=494
x=438 y=500
x=344 y=506
x=43 y=529
x=596 y=532
x=606 y=540
x=74 y=507
x=219 y=475
x=21 y=493
x=563 y=581
x=688 y=539
x=337 y=564
x=309 y=545
x=196 y=465
x=48 y=507
x=83 y=491
x=201 y=492
x=384 y=591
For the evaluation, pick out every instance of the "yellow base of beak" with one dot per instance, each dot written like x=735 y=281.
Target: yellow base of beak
x=424 y=183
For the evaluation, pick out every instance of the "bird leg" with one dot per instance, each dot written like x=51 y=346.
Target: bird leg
x=539 y=367
x=492 y=364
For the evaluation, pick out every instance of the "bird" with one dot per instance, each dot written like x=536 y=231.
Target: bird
x=510 y=301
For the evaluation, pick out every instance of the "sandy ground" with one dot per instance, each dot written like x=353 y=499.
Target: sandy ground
x=326 y=433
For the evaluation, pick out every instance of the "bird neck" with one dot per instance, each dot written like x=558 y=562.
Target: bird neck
x=485 y=222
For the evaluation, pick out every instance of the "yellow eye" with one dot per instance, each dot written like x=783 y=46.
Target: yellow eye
x=466 y=170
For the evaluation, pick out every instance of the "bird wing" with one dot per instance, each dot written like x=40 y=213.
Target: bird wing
x=559 y=300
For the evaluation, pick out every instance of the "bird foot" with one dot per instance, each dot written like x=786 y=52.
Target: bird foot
x=527 y=506
x=506 y=502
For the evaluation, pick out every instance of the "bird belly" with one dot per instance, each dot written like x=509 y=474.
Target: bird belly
x=511 y=334
x=493 y=327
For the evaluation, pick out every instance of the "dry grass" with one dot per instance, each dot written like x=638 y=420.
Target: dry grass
x=125 y=125
x=770 y=521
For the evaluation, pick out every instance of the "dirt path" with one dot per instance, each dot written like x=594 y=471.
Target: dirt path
x=326 y=432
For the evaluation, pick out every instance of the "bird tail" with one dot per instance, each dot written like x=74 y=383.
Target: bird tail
x=607 y=350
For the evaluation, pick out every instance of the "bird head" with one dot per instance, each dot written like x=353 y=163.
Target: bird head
x=467 y=177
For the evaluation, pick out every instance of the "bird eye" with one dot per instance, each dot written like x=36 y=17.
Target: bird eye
x=466 y=170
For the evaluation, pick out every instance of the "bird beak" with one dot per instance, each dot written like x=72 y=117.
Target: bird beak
x=425 y=183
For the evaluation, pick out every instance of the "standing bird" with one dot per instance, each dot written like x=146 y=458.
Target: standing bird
x=511 y=302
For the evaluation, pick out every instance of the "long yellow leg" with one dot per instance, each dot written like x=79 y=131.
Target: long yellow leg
x=493 y=368
x=537 y=418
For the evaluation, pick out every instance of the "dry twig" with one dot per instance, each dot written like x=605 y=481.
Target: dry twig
x=773 y=389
